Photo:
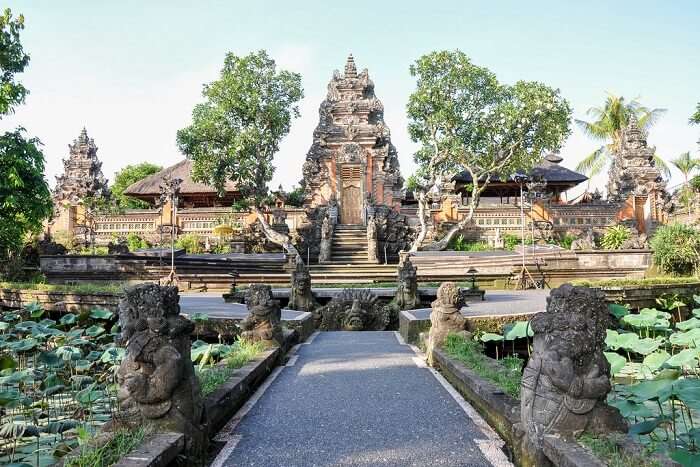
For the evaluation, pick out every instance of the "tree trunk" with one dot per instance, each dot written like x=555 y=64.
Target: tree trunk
x=444 y=241
x=276 y=237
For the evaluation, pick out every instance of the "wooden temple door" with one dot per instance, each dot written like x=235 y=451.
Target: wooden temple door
x=351 y=198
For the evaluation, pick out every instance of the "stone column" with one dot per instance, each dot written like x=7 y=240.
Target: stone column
x=324 y=255
x=372 y=241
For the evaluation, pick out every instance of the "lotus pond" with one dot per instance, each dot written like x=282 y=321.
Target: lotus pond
x=57 y=380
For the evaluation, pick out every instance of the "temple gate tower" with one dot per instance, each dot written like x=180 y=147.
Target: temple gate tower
x=352 y=160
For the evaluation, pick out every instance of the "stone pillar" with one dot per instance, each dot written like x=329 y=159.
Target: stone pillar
x=567 y=378
x=372 y=241
x=156 y=380
x=445 y=316
x=324 y=255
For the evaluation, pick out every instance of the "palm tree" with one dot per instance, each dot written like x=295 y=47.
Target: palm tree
x=686 y=164
x=607 y=125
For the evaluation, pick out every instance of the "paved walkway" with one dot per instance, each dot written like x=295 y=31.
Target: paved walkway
x=358 y=399
x=498 y=302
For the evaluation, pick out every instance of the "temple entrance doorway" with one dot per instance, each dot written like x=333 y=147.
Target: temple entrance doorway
x=351 y=196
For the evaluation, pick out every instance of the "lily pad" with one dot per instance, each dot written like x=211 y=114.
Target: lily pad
x=617 y=362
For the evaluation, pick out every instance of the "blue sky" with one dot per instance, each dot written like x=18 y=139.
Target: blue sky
x=131 y=71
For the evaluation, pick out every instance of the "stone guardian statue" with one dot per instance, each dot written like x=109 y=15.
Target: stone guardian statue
x=301 y=297
x=445 y=316
x=156 y=380
x=263 y=322
x=567 y=378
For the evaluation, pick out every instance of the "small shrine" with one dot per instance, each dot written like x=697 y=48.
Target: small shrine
x=352 y=160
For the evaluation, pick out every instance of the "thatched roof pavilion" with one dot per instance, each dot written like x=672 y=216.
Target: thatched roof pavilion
x=192 y=194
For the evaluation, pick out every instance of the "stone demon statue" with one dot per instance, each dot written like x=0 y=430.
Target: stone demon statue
x=567 y=378
x=445 y=316
x=354 y=310
x=156 y=380
x=301 y=298
x=263 y=320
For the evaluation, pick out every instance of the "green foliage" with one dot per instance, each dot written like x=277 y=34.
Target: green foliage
x=676 y=248
x=695 y=118
x=606 y=448
x=136 y=242
x=229 y=357
x=191 y=243
x=466 y=120
x=566 y=240
x=83 y=288
x=635 y=282
x=25 y=199
x=117 y=447
x=13 y=59
x=296 y=197
x=459 y=243
x=236 y=131
x=504 y=373
x=614 y=237
x=608 y=122
x=128 y=176
x=511 y=241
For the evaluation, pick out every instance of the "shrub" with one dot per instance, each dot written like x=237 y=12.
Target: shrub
x=190 y=243
x=459 y=243
x=614 y=237
x=566 y=240
x=510 y=241
x=136 y=242
x=296 y=197
x=676 y=249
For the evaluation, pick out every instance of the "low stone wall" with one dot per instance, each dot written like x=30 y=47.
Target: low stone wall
x=58 y=301
x=502 y=412
x=644 y=296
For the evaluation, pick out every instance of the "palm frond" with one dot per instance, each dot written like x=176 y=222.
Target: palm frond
x=662 y=166
x=594 y=163
x=647 y=118
x=595 y=130
x=685 y=163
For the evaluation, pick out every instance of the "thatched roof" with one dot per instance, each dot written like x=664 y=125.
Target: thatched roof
x=149 y=187
x=548 y=168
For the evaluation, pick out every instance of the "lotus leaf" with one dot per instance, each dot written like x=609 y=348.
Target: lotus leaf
x=686 y=339
x=4 y=326
x=654 y=360
x=517 y=330
x=651 y=390
x=647 y=426
x=616 y=361
x=94 y=331
x=6 y=362
x=68 y=353
x=34 y=309
x=490 y=337
x=618 y=311
x=101 y=313
x=645 y=346
x=68 y=319
x=625 y=340
x=113 y=355
x=89 y=395
x=630 y=409
x=24 y=345
x=50 y=359
x=684 y=358
x=692 y=323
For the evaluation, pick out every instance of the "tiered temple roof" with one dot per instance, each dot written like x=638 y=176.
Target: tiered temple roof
x=351 y=143
x=82 y=173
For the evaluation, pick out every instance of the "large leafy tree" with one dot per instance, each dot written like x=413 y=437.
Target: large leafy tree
x=606 y=126
x=25 y=199
x=128 y=176
x=237 y=130
x=465 y=120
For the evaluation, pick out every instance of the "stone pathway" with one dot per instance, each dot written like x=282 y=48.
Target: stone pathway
x=357 y=399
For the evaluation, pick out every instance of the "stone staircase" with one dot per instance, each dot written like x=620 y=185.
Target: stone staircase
x=349 y=262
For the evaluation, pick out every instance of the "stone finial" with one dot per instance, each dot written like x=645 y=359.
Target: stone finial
x=156 y=380
x=83 y=138
x=350 y=68
x=567 y=378
x=445 y=316
x=264 y=316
